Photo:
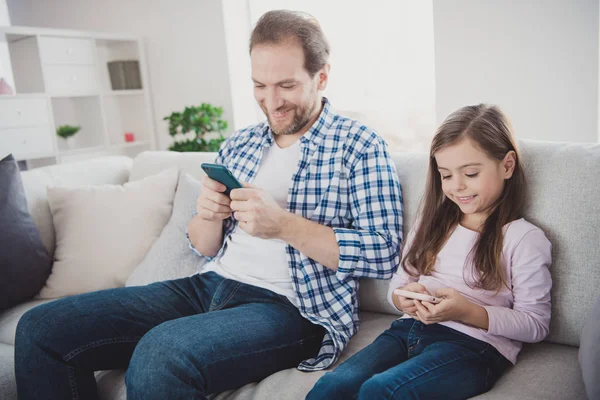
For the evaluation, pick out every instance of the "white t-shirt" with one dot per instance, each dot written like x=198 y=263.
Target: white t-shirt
x=263 y=262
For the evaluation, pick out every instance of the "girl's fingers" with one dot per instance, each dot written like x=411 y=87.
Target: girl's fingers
x=430 y=306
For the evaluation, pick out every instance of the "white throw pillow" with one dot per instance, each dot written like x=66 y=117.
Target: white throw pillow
x=103 y=232
x=170 y=256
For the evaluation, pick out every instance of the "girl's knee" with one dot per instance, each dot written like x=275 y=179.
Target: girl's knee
x=379 y=387
x=332 y=385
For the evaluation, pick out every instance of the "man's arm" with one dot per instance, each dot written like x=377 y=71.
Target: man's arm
x=312 y=239
x=369 y=248
x=206 y=236
x=205 y=230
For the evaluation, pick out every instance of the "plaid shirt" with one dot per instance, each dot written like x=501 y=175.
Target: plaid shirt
x=345 y=180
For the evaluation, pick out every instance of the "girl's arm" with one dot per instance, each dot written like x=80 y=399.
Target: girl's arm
x=529 y=319
x=400 y=277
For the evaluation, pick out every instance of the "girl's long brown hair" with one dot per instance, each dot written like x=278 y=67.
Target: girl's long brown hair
x=490 y=130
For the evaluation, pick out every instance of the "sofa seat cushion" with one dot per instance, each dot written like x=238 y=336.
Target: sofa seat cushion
x=10 y=318
x=543 y=371
x=589 y=352
x=8 y=386
x=286 y=384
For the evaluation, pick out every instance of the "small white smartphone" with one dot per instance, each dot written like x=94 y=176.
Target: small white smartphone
x=417 y=296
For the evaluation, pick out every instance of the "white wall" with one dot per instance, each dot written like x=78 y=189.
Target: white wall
x=5 y=67
x=4 y=16
x=537 y=59
x=185 y=44
x=238 y=26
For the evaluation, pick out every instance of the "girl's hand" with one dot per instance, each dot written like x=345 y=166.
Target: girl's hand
x=407 y=306
x=453 y=307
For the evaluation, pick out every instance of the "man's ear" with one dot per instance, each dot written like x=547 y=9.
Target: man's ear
x=323 y=76
x=509 y=163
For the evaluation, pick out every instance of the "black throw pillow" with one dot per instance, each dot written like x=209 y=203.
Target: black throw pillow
x=24 y=261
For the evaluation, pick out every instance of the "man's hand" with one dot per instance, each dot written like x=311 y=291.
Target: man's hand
x=406 y=305
x=258 y=213
x=212 y=204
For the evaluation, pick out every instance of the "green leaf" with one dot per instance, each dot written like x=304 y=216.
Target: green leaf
x=201 y=120
x=66 y=131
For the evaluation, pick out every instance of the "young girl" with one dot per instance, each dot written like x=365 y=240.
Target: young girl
x=472 y=248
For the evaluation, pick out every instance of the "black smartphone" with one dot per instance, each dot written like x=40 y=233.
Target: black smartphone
x=222 y=175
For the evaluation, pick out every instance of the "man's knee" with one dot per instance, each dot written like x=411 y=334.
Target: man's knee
x=156 y=361
x=35 y=326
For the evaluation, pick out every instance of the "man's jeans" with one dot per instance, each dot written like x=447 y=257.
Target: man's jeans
x=181 y=339
x=412 y=360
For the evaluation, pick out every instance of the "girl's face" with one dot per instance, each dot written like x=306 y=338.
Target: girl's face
x=473 y=180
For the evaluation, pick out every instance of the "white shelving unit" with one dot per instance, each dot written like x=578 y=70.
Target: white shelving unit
x=62 y=77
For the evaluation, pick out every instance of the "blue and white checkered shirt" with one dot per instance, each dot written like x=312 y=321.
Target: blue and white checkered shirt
x=345 y=180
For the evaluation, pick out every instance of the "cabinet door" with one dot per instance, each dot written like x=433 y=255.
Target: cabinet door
x=55 y=50
x=26 y=143
x=67 y=79
x=23 y=112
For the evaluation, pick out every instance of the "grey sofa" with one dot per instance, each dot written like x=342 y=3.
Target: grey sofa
x=564 y=200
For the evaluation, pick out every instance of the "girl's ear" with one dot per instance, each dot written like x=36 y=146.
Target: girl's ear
x=508 y=164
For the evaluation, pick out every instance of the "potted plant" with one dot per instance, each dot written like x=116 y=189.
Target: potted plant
x=201 y=120
x=67 y=132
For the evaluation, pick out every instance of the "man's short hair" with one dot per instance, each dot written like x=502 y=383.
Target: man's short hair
x=279 y=26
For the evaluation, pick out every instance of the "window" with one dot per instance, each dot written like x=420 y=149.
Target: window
x=382 y=63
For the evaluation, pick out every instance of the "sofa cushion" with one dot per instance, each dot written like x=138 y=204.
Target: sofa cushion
x=103 y=232
x=589 y=352
x=24 y=261
x=563 y=190
x=8 y=386
x=107 y=170
x=286 y=384
x=562 y=201
x=170 y=256
x=10 y=318
x=544 y=371
x=152 y=162
x=412 y=173
x=111 y=385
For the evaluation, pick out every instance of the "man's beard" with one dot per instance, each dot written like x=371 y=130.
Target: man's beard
x=302 y=117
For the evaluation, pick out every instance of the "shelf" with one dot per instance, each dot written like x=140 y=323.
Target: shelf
x=130 y=144
x=23 y=95
x=109 y=51
x=132 y=92
x=80 y=94
x=82 y=150
x=125 y=114
x=62 y=78
x=25 y=62
x=81 y=111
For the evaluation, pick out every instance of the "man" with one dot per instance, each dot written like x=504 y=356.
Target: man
x=321 y=209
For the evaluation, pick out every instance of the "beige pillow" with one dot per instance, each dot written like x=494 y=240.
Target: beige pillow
x=103 y=232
